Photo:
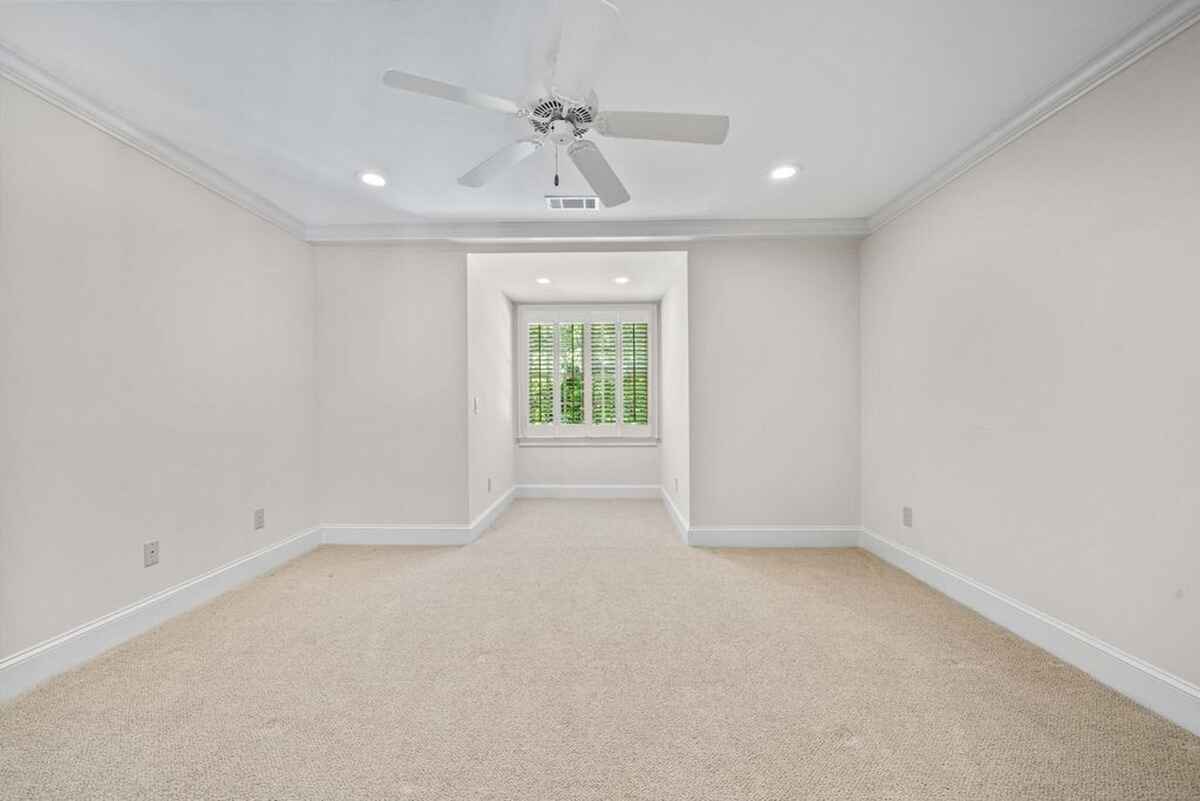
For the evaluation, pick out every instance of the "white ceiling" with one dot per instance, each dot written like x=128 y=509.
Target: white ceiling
x=581 y=277
x=285 y=98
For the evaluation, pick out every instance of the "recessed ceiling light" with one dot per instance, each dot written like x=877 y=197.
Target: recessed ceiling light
x=373 y=179
x=783 y=172
x=543 y=280
x=621 y=279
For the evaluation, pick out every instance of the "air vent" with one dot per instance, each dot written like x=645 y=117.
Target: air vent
x=572 y=202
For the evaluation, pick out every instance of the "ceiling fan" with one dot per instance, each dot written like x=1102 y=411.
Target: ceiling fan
x=566 y=109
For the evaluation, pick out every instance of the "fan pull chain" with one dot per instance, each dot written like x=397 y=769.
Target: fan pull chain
x=556 y=165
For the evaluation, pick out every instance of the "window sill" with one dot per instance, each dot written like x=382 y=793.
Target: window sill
x=587 y=442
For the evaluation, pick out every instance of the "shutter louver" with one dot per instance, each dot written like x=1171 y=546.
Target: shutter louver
x=604 y=373
x=541 y=373
x=635 y=373
x=570 y=357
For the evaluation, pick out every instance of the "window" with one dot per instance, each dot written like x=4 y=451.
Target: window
x=587 y=371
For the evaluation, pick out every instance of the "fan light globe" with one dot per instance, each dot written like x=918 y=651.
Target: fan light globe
x=373 y=179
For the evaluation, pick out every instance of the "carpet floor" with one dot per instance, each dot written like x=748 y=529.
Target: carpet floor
x=580 y=651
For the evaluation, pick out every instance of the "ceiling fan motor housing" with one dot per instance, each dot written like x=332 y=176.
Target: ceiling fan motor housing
x=560 y=121
x=562 y=132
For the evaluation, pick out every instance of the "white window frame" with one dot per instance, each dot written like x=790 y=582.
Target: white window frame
x=586 y=313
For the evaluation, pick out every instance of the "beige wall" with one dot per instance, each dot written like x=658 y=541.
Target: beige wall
x=543 y=464
x=156 y=375
x=392 y=384
x=490 y=370
x=395 y=450
x=674 y=425
x=1031 y=366
x=774 y=382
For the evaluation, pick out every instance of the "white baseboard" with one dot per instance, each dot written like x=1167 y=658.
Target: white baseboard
x=488 y=518
x=47 y=659
x=1170 y=696
x=773 y=537
x=643 y=491
x=681 y=522
x=27 y=668
x=409 y=534
x=759 y=536
x=1174 y=698
x=400 y=534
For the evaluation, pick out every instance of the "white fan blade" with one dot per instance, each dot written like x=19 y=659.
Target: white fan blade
x=447 y=91
x=588 y=30
x=592 y=164
x=703 y=129
x=500 y=161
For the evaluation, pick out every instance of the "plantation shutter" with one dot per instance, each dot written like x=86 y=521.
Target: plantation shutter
x=604 y=373
x=635 y=373
x=541 y=374
x=588 y=371
x=570 y=360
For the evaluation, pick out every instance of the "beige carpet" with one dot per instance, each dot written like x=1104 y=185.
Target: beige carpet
x=579 y=651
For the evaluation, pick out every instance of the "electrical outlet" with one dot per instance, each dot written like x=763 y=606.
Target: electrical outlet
x=260 y=519
x=150 y=553
x=907 y=516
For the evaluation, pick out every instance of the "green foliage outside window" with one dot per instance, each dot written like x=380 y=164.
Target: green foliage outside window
x=570 y=357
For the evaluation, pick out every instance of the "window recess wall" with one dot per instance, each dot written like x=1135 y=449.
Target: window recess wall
x=587 y=371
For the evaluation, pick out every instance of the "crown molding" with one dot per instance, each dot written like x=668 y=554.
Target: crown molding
x=1158 y=30
x=595 y=231
x=32 y=78
x=1161 y=28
